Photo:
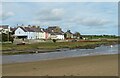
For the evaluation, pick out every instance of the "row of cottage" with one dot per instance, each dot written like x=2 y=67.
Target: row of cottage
x=39 y=33
x=35 y=32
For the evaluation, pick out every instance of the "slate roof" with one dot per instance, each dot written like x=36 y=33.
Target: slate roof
x=56 y=33
x=4 y=26
x=49 y=30
x=69 y=32
x=13 y=29
x=53 y=27
x=31 y=29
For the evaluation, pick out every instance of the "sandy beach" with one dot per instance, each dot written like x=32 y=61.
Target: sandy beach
x=102 y=65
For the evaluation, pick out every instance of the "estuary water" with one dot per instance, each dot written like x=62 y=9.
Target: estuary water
x=102 y=50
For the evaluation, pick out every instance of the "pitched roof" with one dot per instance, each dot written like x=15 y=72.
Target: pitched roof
x=4 y=26
x=56 y=33
x=24 y=29
x=31 y=29
x=27 y=29
x=51 y=30
x=36 y=29
x=69 y=32
x=53 y=27
x=13 y=29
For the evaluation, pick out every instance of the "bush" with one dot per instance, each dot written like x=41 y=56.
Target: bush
x=54 y=40
x=4 y=37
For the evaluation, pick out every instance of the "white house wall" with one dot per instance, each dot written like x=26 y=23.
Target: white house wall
x=20 y=32
x=36 y=35
x=41 y=35
x=60 y=37
x=31 y=35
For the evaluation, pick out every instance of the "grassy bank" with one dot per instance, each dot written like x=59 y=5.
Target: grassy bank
x=50 y=46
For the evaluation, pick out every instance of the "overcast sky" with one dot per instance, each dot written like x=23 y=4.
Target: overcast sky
x=84 y=17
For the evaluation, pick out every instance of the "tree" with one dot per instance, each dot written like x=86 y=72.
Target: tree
x=65 y=35
x=11 y=39
x=77 y=34
x=4 y=37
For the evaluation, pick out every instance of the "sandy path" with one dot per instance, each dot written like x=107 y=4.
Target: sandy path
x=106 y=65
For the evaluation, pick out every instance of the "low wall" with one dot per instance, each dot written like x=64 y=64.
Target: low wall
x=27 y=41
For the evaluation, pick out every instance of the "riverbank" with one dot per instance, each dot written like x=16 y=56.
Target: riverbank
x=102 y=65
x=10 y=49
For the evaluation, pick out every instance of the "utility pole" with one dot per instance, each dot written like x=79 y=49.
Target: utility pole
x=8 y=36
x=8 y=33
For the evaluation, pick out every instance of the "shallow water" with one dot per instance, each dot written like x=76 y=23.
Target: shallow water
x=102 y=50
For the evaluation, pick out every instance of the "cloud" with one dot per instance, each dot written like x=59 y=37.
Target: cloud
x=6 y=15
x=60 y=0
x=91 y=21
x=35 y=22
x=51 y=15
x=57 y=12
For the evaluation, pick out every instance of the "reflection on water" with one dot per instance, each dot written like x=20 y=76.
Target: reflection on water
x=102 y=50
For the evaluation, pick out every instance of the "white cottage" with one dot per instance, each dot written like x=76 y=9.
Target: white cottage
x=55 y=32
x=29 y=33
x=59 y=36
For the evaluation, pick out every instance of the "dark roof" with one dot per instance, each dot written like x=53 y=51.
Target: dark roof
x=51 y=30
x=4 y=26
x=36 y=29
x=69 y=32
x=53 y=27
x=31 y=29
x=23 y=29
x=53 y=33
x=62 y=32
x=27 y=29
x=47 y=31
x=13 y=29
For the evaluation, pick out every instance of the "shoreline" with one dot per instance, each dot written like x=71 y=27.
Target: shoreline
x=60 y=58
x=60 y=48
x=99 y=65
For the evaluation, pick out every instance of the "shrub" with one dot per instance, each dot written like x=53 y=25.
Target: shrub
x=54 y=40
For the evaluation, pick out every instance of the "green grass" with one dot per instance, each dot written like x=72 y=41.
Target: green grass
x=47 y=45
x=50 y=46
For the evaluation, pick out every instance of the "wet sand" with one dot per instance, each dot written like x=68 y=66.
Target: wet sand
x=102 y=65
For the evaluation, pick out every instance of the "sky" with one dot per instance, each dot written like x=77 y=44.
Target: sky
x=91 y=18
